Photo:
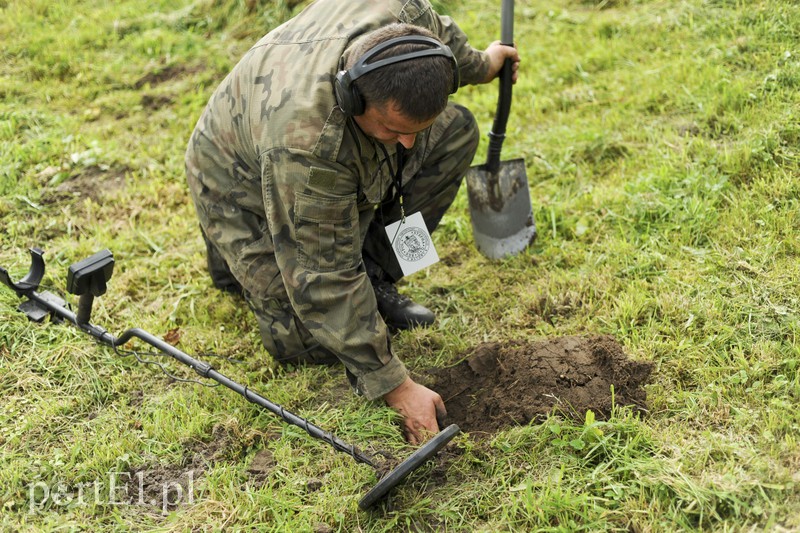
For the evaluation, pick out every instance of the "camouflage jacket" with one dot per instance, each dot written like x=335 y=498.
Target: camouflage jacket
x=305 y=179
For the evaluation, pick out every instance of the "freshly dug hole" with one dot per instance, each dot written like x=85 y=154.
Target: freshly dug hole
x=498 y=385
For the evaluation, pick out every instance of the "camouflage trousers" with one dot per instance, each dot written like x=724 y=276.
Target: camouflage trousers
x=432 y=176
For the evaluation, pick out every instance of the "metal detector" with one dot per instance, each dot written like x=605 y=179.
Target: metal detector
x=87 y=279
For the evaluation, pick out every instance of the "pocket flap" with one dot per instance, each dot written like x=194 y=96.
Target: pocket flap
x=316 y=209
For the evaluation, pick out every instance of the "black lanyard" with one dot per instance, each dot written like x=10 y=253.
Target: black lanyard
x=397 y=173
x=398 y=178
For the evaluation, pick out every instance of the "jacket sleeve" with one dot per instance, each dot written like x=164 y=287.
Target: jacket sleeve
x=473 y=64
x=318 y=250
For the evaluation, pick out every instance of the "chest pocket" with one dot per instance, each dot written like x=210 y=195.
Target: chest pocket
x=325 y=230
x=377 y=180
x=375 y=192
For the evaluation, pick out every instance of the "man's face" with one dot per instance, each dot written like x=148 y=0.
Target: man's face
x=386 y=125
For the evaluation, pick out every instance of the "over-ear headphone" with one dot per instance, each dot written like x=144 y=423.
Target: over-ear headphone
x=348 y=96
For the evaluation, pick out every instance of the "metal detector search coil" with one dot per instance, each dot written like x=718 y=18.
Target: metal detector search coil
x=88 y=279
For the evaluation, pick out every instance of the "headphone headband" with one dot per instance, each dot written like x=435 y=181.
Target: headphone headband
x=363 y=66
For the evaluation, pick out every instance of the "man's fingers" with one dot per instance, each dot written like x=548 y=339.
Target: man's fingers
x=412 y=435
x=418 y=431
x=421 y=408
x=441 y=412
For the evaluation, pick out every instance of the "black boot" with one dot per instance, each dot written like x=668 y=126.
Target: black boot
x=397 y=310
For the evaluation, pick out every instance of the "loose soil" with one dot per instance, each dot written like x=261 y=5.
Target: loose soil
x=498 y=385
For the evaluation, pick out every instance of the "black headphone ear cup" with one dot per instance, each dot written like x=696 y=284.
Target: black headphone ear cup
x=456 y=76
x=348 y=97
x=341 y=92
x=357 y=101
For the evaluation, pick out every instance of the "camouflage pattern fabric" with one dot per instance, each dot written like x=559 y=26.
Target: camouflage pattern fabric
x=288 y=190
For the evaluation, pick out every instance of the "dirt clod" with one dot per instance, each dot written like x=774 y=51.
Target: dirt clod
x=499 y=385
x=262 y=463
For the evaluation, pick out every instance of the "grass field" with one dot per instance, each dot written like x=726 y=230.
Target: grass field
x=662 y=145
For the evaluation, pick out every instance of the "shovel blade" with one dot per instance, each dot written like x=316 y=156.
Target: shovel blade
x=500 y=209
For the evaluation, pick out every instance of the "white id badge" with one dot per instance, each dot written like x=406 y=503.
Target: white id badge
x=412 y=244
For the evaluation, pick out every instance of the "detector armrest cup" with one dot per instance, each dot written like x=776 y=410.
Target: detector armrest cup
x=31 y=280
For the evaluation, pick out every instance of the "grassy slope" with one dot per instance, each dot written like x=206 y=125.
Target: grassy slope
x=660 y=139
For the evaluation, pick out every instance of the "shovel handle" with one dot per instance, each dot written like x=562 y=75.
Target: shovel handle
x=498 y=133
x=507 y=22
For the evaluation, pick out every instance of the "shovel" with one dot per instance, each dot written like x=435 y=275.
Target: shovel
x=499 y=198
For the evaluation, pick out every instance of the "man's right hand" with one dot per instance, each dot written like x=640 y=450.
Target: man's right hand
x=498 y=53
x=420 y=408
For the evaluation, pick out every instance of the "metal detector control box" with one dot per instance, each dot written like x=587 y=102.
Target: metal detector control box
x=91 y=274
x=87 y=279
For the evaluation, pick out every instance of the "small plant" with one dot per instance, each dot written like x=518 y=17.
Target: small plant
x=577 y=438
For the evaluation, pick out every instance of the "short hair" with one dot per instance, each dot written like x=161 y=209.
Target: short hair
x=420 y=87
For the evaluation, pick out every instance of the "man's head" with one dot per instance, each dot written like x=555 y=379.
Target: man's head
x=417 y=87
x=386 y=124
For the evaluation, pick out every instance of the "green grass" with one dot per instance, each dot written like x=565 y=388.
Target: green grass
x=661 y=145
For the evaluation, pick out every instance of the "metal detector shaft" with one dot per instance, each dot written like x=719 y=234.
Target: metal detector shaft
x=207 y=371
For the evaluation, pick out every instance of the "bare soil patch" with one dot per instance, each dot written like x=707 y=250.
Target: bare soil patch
x=165 y=74
x=96 y=182
x=163 y=488
x=498 y=385
x=154 y=102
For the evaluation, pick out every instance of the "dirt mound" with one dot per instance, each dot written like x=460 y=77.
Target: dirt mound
x=498 y=385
